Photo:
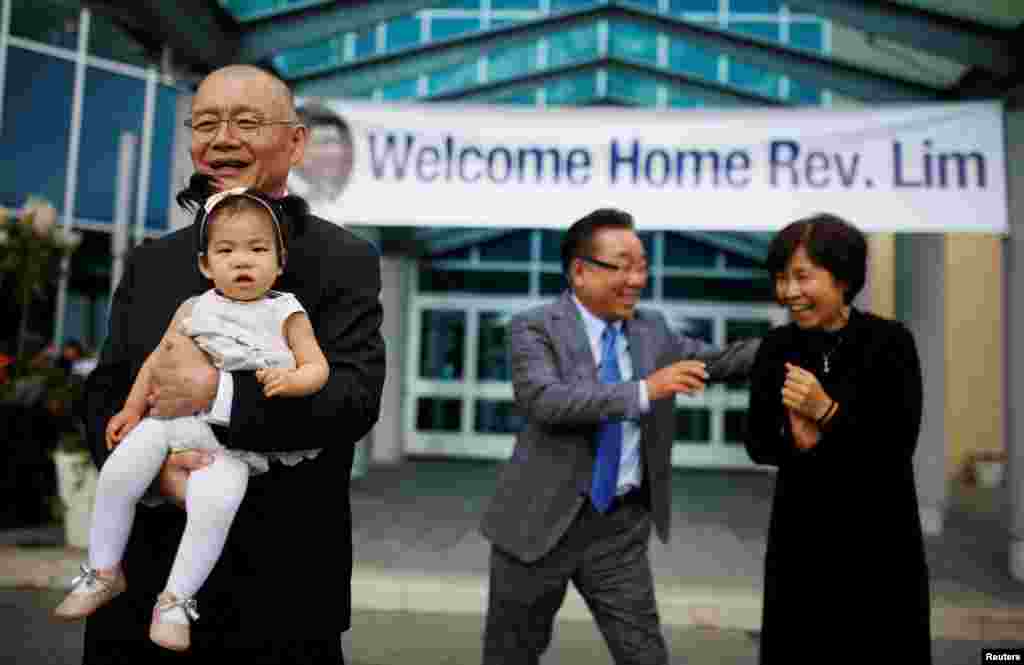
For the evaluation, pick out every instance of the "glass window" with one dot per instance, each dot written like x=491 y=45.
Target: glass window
x=403 y=32
x=649 y=5
x=36 y=127
x=737 y=329
x=511 y=62
x=565 y=5
x=806 y=36
x=112 y=104
x=108 y=40
x=492 y=352
x=753 y=78
x=515 y=4
x=802 y=93
x=406 y=89
x=305 y=59
x=684 y=252
x=165 y=127
x=693 y=425
x=728 y=290
x=679 y=6
x=53 y=23
x=474 y=281
x=687 y=59
x=452 y=78
x=754 y=6
x=449 y=28
x=572 y=46
x=366 y=42
x=498 y=417
x=552 y=283
x=551 y=246
x=737 y=261
x=735 y=426
x=461 y=4
x=692 y=326
x=683 y=101
x=522 y=98
x=442 y=339
x=638 y=88
x=510 y=247
x=571 y=89
x=766 y=30
x=633 y=42
x=438 y=415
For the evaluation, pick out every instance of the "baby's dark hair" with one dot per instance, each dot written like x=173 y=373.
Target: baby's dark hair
x=288 y=213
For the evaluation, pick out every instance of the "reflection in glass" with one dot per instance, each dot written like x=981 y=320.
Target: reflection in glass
x=684 y=252
x=474 y=281
x=439 y=415
x=492 y=348
x=46 y=21
x=737 y=329
x=633 y=42
x=735 y=426
x=442 y=339
x=509 y=247
x=693 y=425
x=494 y=417
x=572 y=46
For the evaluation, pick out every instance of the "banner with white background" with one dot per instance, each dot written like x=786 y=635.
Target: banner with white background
x=907 y=168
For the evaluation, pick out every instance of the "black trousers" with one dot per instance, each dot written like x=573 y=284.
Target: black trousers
x=606 y=558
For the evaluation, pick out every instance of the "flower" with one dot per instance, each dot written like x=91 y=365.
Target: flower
x=41 y=215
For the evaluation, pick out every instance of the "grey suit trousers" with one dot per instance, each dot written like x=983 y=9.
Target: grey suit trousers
x=606 y=558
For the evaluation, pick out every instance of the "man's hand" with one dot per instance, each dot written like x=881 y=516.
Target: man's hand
x=805 y=430
x=802 y=393
x=685 y=376
x=173 y=478
x=184 y=381
x=120 y=424
x=278 y=381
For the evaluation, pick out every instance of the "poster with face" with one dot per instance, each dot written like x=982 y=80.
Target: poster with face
x=326 y=167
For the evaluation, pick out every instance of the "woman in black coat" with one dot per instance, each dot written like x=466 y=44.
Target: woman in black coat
x=835 y=404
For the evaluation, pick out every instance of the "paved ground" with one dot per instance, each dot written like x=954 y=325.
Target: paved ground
x=416 y=538
x=28 y=637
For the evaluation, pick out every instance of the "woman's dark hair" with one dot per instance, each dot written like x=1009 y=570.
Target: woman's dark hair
x=831 y=243
x=289 y=212
x=579 y=239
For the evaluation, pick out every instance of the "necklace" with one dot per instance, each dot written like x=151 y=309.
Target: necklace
x=828 y=355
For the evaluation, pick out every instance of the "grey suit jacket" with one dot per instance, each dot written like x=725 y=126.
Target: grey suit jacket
x=556 y=386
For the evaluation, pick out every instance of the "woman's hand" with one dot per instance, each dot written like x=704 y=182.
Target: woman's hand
x=802 y=393
x=805 y=431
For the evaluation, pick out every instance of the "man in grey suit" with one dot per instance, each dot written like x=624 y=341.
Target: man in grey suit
x=596 y=378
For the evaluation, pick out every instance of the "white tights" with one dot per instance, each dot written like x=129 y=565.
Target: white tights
x=212 y=498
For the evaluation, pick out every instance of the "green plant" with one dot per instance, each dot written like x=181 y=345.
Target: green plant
x=32 y=247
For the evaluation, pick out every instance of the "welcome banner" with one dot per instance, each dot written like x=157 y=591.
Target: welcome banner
x=922 y=168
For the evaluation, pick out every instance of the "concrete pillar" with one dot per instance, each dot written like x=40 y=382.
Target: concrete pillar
x=920 y=304
x=1013 y=292
x=388 y=435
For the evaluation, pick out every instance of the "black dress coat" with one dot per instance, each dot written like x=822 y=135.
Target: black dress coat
x=845 y=569
x=281 y=591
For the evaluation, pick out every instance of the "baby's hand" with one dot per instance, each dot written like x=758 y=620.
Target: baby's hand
x=276 y=381
x=123 y=422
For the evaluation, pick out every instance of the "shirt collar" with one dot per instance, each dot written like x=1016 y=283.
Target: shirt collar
x=594 y=326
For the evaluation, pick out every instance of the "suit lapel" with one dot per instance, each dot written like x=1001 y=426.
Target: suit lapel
x=639 y=338
x=567 y=319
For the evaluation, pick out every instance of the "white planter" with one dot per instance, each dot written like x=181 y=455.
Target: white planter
x=76 y=484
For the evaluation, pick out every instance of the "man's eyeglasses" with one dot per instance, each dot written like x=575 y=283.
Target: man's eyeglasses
x=636 y=269
x=244 y=128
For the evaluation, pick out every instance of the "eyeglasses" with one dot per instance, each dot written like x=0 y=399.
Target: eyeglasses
x=244 y=128
x=635 y=269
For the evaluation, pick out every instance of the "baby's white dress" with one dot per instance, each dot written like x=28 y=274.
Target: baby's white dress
x=240 y=336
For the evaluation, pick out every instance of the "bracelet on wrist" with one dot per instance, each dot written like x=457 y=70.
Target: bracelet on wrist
x=825 y=416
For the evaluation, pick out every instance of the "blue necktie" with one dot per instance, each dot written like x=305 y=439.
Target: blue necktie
x=609 y=434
